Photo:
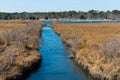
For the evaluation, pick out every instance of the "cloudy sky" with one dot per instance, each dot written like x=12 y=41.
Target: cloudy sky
x=57 y=5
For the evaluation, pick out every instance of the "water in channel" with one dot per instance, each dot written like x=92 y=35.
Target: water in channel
x=55 y=62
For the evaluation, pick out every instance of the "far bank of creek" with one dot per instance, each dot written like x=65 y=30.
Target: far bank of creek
x=56 y=64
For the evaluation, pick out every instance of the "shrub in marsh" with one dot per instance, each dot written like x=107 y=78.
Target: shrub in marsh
x=76 y=43
x=32 y=35
x=3 y=43
x=32 y=42
x=111 y=48
x=33 y=28
x=4 y=64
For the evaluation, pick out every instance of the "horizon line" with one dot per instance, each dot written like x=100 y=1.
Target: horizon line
x=56 y=11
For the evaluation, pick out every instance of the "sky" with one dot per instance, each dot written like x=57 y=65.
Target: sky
x=57 y=5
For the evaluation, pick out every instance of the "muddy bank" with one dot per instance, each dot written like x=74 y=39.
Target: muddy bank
x=96 y=64
x=19 y=54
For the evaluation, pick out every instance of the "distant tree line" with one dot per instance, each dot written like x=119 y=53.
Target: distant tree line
x=92 y=14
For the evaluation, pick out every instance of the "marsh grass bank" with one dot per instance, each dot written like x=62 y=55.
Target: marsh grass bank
x=95 y=47
x=19 y=53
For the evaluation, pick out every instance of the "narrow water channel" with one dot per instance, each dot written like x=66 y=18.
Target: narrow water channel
x=55 y=62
